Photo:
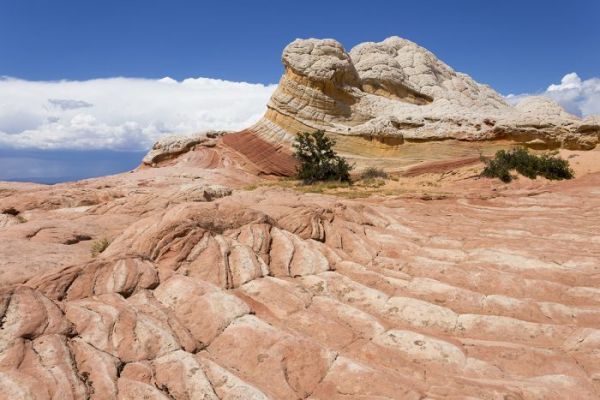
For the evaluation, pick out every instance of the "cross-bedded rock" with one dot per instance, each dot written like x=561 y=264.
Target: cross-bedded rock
x=396 y=90
x=202 y=287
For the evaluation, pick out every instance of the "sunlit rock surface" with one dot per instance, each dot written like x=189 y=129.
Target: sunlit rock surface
x=490 y=291
x=201 y=276
x=380 y=95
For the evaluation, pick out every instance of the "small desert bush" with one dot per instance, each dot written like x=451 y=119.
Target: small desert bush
x=98 y=246
x=317 y=159
x=372 y=173
x=15 y=213
x=550 y=166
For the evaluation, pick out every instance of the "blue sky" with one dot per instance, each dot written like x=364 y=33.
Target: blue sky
x=515 y=46
x=87 y=86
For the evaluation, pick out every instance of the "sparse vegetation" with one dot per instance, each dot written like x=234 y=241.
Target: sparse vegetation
x=323 y=187
x=372 y=173
x=15 y=213
x=549 y=165
x=11 y=211
x=98 y=246
x=317 y=159
x=373 y=183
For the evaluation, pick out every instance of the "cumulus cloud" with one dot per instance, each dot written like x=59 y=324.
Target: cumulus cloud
x=122 y=113
x=577 y=96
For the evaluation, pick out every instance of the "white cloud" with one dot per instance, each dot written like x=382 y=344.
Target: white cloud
x=122 y=113
x=577 y=96
x=569 y=81
x=67 y=104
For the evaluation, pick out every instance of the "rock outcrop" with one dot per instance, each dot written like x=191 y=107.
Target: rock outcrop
x=380 y=94
x=179 y=281
x=214 y=292
x=170 y=147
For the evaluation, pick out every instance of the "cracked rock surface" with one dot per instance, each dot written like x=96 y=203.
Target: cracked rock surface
x=207 y=290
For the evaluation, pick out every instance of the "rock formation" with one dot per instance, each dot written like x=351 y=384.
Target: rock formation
x=201 y=287
x=210 y=291
x=381 y=94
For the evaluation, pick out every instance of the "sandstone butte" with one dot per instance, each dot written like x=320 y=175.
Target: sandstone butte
x=440 y=285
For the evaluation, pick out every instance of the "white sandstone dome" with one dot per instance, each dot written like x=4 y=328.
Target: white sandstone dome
x=398 y=89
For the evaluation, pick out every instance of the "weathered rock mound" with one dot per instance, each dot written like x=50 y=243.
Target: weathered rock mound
x=396 y=90
x=204 y=290
x=171 y=146
x=374 y=100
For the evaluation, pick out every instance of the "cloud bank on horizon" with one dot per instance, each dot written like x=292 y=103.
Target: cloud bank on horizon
x=122 y=113
x=131 y=114
x=577 y=96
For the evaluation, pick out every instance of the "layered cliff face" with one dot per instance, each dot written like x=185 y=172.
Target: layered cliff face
x=395 y=90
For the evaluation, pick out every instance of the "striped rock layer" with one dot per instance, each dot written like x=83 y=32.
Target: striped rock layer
x=378 y=96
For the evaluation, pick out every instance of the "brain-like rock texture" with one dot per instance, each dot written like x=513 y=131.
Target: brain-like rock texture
x=208 y=286
x=320 y=60
x=272 y=294
x=395 y=90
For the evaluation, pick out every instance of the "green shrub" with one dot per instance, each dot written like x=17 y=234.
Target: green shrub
x=372 y=173
x=555 y=168
x=98 y=246
x=519 y=159
x=317 y=159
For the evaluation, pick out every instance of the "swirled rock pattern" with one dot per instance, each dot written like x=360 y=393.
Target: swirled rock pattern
x=394 y=90
x=196 y=277
x=489 y=292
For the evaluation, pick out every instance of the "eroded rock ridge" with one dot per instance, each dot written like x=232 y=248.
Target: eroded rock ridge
x=395 y=90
